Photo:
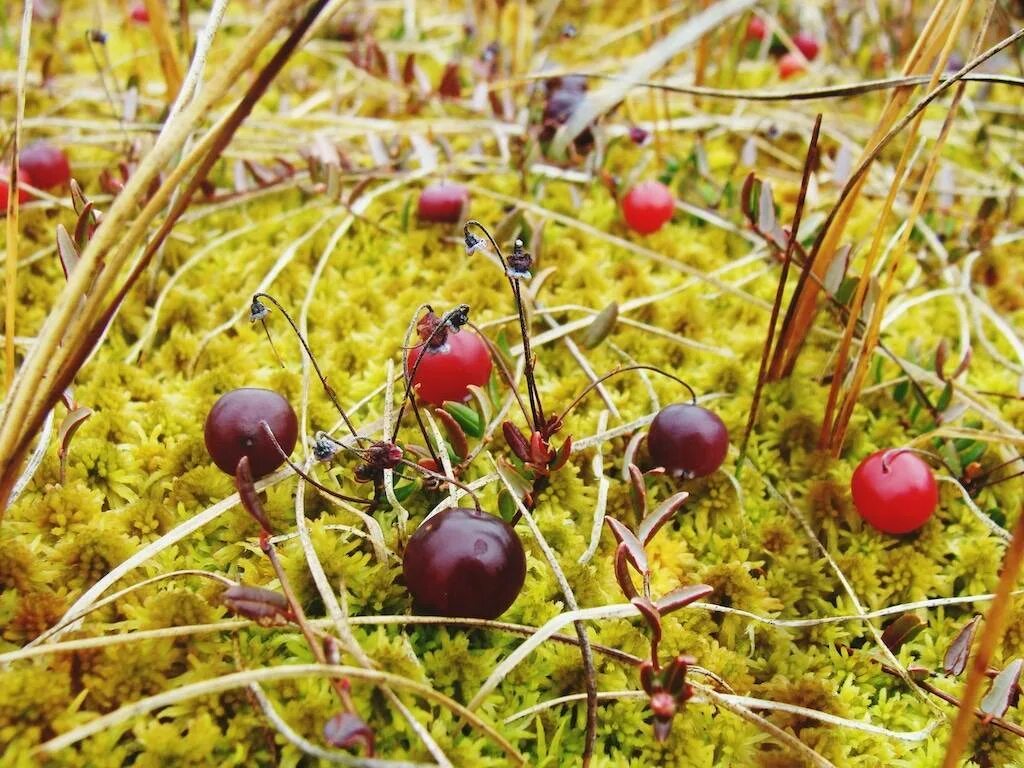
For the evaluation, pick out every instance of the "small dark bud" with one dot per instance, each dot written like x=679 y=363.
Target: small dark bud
x=97 y=36
x=473 y=243
x=458 y=317
x=638 y=135
x=258 y=310
x=325 y=447
x=264 y=606
x=519 y=262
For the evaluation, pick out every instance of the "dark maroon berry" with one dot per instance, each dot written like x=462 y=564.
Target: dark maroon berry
x=233 y=430
x=443 y=203
x=46 y=164
x=464 y=563
x=688 y=440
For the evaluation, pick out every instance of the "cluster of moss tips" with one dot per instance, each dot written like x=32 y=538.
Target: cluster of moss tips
x=542 y=507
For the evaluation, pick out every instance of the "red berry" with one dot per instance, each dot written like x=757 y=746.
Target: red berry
x=789 y=65
x=443 y=203
x=807 y=45
x=647 y=206
x=898 y=497
x=447 y=371
x=139 y=13
x=756 y=28
x=233 y=430
x=688 y=440
x=24 y=177
x=46 y=164
x=464 y=563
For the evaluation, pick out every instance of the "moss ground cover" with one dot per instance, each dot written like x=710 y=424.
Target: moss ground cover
x=314 y=201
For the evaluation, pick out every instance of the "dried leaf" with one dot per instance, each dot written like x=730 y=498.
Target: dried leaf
x=955 y=660
x=836 y=272
x=637 y=491
x=902 y=630
x=1003 y=691
x=634 y=548
x=456 y=437
x=66 y=250
x=602 y=324
x=519 y=484
x=664 y=512
x=450 y=86
x=68 y=427
x=766 y=221
x=682 y=597
x=954 y=412
x=348 y=730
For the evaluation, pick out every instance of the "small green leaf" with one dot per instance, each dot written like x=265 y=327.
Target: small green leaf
x=972 y=452
x=846 y=289
x=466 y=417
x=406 y=210
x=945 y=397
x=506 y=506
x=951 y=457
x=900 y=391
x=404 y=491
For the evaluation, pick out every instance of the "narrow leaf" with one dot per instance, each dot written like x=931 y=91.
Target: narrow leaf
x=248 y=496
x=506 y=505
x=561 y=456
x=964 y=363
x=955 y=660
x=466 y=417
x=637 y=491
x=622 y=575
x=941 y=355
x=682 y=597
x=634 y=548
x=661 y=515
x=68 y=427
x=264 y=606
x=766 y=221
x=516 y=440
x=836 y=272
x=1004 y=690
x=748 y=193
x=456 y=437
x=945 y=398
x=602 y=324
x=902 y=630
x=653 y=618
x=67 y=250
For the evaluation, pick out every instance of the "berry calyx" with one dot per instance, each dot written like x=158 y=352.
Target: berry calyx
x=648 y=206
x=756 y=29
x=450 y=363
x=46 y=165
x=807 y=45
x=790 y=65
x=464 y=563
x=894 y=491
x=688 y=440
x=24 y=177
x=233 y=430
x=443 y=203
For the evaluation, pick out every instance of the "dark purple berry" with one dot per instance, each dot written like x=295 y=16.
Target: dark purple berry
x=464 y=563
x=688 y=440
x=233 y=430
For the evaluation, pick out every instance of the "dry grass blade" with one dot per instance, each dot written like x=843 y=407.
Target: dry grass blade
x=643 y=66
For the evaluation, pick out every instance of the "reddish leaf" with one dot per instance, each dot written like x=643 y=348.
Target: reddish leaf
x=902 y=630
x=622 y=575
x=675 y=677
x=650 y=613
x=941 y=355
x=1003 y=691
x=247 y=494
x=682 y=597
x=561 y=456
x=647 y=681
x=634 y=549
x=540 y=452
x=664 y=512
x=348 y=730
x=964 y=362
x=748 y=194
x=456 y=436
x=516 y=440
x=450 y=86
x=264 y=606
x=637 y=491
x=955 y=661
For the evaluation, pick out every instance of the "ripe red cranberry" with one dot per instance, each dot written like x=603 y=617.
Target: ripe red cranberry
x=756 y=29
x=24 y=177
x=233 y=430
x=447 y=370
x=688 y=440
x=140 y=14
x=789 y=65
x=46 y=164
x=647 y=206
x=464 y=563
x=895 y=491
x=443 y=203
x=807 y=45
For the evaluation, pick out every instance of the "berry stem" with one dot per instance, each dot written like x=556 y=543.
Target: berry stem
x=446 y=479
x=258 y=312
x=625 y=369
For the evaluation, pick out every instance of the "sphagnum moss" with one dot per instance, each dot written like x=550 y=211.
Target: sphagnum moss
x=137 y=467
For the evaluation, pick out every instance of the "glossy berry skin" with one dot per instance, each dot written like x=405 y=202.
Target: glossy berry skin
x=464 y=563
x=46 y=164
x=756 y=29
x=688 y=440
x=233 y=430
x=443 y=203
x=790 y=65
x=648 y=206
x=139 y=13
x=447 y=371
x=897 y=498
x=24 y=177
x=807 y=45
